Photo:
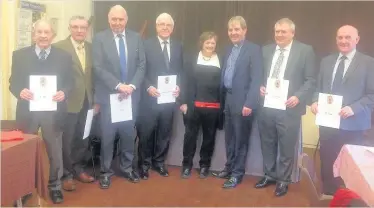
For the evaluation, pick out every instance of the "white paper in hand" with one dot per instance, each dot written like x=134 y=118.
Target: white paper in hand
x=329 y=107
x=120 y=108
x=43 y=88
x=88 y=125
x=166 y=85
x=277 y=92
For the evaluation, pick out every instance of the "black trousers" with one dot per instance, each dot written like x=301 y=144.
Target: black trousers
x=75 y=149
x=154 y=129
x=207 y=118
x=331 y=142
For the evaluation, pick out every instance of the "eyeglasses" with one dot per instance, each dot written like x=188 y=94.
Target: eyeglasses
x=75 y=27
x=163 y=25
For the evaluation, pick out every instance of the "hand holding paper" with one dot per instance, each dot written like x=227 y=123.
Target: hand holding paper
x=329 y=108
x=26 y=94
x=346 y=112
x=167 y=87
x=276 y=94
x=44 y=89
x=60 y=96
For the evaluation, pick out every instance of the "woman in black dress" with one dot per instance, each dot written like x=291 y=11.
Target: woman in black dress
x=201 y=104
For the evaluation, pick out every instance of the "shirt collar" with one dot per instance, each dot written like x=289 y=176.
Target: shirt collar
x=76 y=44
x=38 y=49
x=123 y=33
x=349 y=56
x=287 y=48
x=239 y=44
x=162 y=41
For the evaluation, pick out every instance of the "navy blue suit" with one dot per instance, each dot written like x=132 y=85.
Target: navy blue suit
x=155 y=120
x=245 y=92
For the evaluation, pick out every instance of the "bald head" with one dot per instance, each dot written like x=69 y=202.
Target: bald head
x=43 y=33
x=117 y=18
x=347 y=38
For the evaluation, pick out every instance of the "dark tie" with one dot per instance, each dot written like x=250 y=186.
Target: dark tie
x=42 y=54
x=338 y=79
x=165 y=52
x=278 y=64
x=122 y=57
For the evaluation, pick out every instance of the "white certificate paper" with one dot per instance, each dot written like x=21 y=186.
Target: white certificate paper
x=277 y=92
x=43 y=88
x=120 y=108
x=329 y=107
x=166 y=85
x=87 y=126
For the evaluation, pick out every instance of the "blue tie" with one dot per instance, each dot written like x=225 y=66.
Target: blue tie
x=122 y=57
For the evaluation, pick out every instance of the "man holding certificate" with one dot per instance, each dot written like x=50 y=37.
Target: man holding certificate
x=163 y=69
x=118 y=66
x=345 y=98
x=289 y=82
x=41 y=80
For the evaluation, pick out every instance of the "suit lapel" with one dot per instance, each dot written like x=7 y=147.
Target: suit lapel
x=75 y=58
x=352 y=67
x=112 y=50
x=172 y=53
x=269 y=60
x=330 y=71
x=292 y=60
x=243 y=51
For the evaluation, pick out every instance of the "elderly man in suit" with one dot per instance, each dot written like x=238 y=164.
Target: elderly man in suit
x=350 y=74
x=286 y=59
x=164 y=58
x=42 y=59
x=80 y=100
x=119 y=67
x=242 y=75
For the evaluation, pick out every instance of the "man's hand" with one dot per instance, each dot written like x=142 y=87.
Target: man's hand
x=314 y=108
x=126 y=89
x=96 y=109
x=183 y=108
x=246 y=111
x=176 y=92
x=26 y=94
x=152 y=91
x=263 y=91
x=346 y=112
x=60 y=96
x=292 y=102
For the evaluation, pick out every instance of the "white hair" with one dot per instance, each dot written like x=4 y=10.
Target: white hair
x=38 y=22
x=164 y=16
x=286 y=21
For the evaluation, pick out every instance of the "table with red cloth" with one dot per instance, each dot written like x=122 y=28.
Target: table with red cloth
x=24 y=167
x=355 y=165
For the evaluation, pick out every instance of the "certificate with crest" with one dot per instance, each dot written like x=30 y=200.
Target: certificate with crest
x=120 y=108
x=43 y=88
x=276 y=93
x=329 y=107
x=166 y=85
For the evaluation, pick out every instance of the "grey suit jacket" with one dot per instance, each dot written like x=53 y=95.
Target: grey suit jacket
x=300 y=71
x=106 y=65
x=82 y=79
x=357 y=92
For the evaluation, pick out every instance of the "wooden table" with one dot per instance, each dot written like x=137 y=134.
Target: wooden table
x=23 y=168
x=355 y=165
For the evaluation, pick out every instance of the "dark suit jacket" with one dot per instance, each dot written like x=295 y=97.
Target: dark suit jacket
x=107 y=69
x=357 y=92
x=82 y=79
x=155 y=66
x=247 y=78
x=25 y=62
x=300 y=71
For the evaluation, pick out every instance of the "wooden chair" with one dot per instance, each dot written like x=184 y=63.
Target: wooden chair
x=309 y=181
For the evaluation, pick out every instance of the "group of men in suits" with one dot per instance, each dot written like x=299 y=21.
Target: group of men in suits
x=120 y=62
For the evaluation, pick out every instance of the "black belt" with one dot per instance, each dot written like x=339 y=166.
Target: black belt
x=229 y=90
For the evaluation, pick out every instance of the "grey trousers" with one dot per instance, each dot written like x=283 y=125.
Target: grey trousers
x=52 y=136
x=279 y=130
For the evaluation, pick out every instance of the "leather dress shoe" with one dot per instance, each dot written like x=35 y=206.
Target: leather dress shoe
x=85 y=178
x=68 y=185
x=204 y=172
x=186 y=173
x=56 y=196
x=264 y=182
x=144 y=174
x=131 y=176
x=162 y=171
x=104 y=182
x=222 y=174
x=231 y=183
x=281 y=189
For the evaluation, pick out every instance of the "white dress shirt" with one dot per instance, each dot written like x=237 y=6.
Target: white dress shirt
x=286 y=54
x=347 y=62
x=167 y=45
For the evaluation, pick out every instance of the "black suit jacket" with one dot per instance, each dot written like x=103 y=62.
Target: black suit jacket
x=156 y=66
x=25 y=62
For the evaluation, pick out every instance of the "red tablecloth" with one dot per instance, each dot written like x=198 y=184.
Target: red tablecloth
x=23 y=168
